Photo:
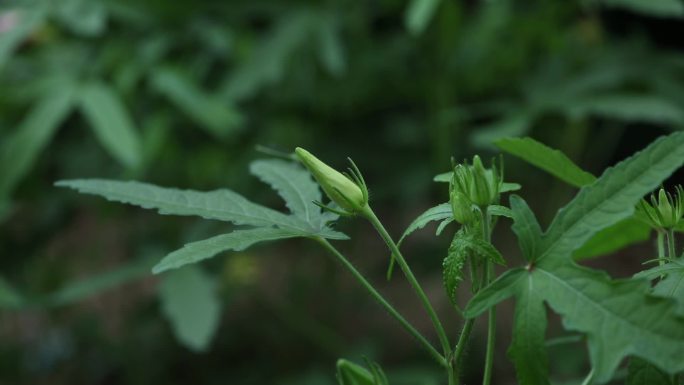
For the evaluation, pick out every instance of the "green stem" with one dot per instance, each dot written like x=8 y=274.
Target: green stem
x=671 y=253
x=443 y=339
x=491 y=326
x=461 y=345
x=382 y=301
x=491 y=334
x=661 y=247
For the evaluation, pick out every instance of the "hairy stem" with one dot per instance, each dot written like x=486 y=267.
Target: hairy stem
x=370 y=215
x=459 y=351
x=381 y=300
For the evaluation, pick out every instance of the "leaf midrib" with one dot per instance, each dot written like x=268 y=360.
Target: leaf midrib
x=602 y=309
x=628 y=212
x=239 y=212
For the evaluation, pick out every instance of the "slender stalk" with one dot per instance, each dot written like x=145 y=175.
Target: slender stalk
x=443 y=339
x=491 y=335
x=382 y=301
x=491 y=326
x=671 y=253
x=660 y=241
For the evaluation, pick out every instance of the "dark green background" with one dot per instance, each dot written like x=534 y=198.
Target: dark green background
x=204 y=82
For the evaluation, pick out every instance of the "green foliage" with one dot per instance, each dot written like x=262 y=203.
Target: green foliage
x=641 y=372
x=238 y=240
x=9 y=296
x=20 y=150
x=294 y=185
x=671 y=281
x=614 y=238
x=307 y=219
x=419 y=13
x=525 y=227
x=349 y=373
x=190 y=302
x=466 y=246
x=112 y=125
x=661 y=8
x=527 y=350
x=81 y=289
x=631 y=108
x=73 y=292
x=553 y=161
x=438 y=213
x=453 y=265
x=637 y=324
x=207 y=110
x=609 y=240
x=179 y=93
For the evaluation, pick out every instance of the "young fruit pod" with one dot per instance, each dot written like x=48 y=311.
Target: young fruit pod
x=665 y=211
x=480 y=185
x=350 y=193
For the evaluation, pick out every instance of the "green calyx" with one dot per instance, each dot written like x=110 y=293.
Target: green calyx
x=461 y=207
x=664 y=211
x=348 y=191
x=479 y=185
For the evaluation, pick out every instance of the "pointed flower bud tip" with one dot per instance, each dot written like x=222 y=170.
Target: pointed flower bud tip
x=338 y=187
x=665 y=211
x=480 y=185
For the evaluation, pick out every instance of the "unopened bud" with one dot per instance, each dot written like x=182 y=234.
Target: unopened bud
x=480 y=185
x=461 y=207
x=347 y=193
x=665 y=211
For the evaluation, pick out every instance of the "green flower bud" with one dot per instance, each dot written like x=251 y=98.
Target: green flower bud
x=665 y=211
x=351 y=195
x=482 y=186
x=461 y=207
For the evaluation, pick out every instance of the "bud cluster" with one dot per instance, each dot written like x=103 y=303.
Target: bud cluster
x=471 y=187
x=663 y=212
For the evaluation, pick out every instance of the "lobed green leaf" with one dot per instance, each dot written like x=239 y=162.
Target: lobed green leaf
x=294 y=184
x=224 y=204
x=528 y=349
x=613 y=197
x=619 y=319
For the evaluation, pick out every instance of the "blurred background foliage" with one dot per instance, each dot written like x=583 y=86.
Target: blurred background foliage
x=182 y=93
